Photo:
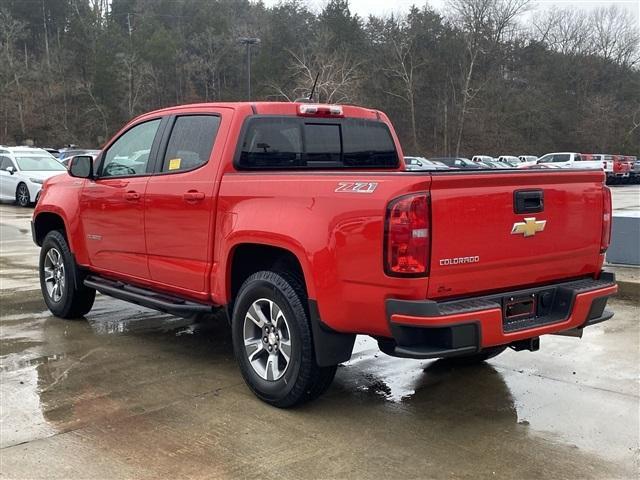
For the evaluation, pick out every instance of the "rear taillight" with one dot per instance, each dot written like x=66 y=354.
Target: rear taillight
x=407 y=236
x=606 y=219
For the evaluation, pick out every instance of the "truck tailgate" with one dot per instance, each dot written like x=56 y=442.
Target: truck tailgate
x=480 y=244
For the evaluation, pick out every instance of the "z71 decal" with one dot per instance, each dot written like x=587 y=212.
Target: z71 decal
x=356 y=187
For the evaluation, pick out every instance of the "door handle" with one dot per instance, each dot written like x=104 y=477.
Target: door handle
x=133 y=196
x=193 y=196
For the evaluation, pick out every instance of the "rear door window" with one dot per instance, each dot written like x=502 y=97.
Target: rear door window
x=5 y=162
x=562 y=157
x=191 y=142
x=294 y=143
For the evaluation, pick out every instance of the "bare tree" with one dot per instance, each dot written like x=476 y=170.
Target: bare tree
x=616 y=35
x=402 y=66
x=211 y=48
x=137 y=76
x=485 y=24
x=564 y=30
x=338 y=74
x=11 y=31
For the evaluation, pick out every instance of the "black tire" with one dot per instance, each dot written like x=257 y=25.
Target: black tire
x=476 y=358
x=23 y=197
x=74 y=301
x=302 y=380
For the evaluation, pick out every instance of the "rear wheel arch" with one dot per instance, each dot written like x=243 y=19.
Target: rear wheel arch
x=331 y=347
x=245 y=259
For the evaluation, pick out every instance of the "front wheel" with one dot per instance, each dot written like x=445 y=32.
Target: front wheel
x=63 y=297
x=23 y=198
x=272 y=341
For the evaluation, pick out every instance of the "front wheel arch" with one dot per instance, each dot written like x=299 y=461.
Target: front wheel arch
x=46 y=222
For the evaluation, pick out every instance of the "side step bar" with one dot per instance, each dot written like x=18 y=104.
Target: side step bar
x=146 y=298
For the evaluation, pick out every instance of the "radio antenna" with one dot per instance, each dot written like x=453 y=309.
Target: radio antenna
x=313 y=89
x=309 y=99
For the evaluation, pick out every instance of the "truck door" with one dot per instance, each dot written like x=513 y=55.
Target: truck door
x=181 y=201
x=112 y=205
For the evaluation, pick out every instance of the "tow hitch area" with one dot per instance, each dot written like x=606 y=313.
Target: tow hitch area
x=531 y=344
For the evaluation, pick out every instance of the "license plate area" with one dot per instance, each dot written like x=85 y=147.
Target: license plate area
x=519 y=311
x=534 y=309
x=519 y=308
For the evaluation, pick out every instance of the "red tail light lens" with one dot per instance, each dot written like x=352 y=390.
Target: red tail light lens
x=606 y=220
x=407 y=236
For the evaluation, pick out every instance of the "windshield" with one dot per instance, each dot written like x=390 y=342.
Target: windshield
x=35 y=163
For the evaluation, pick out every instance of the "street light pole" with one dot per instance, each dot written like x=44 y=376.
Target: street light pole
x=249 y=41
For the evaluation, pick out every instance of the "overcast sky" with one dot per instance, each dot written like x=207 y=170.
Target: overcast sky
x=382 y=7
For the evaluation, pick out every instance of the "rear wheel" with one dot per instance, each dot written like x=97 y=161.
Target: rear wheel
x=272 y=341
x=476 y=358
x=23 y=198
x=63 y=297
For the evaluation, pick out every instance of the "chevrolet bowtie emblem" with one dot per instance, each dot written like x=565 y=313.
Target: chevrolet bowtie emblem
x=529 y=227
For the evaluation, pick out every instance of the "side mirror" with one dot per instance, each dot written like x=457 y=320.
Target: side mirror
x=81 y=166
x=10 y=169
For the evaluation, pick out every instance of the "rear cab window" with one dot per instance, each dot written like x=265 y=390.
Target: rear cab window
x=279 y=142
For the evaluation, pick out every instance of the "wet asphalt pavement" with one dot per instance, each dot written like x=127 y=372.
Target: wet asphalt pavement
x=131 y=393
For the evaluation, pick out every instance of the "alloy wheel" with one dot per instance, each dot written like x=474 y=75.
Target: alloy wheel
x=267 y=339
x=23 y=195
x=54 y=274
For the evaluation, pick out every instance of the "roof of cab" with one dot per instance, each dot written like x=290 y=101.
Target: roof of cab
x=267 y=108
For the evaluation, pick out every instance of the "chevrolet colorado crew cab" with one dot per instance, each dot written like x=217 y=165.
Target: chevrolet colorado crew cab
x=300 y=221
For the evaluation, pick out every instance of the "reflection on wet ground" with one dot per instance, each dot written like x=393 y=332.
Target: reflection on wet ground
x=156 y=395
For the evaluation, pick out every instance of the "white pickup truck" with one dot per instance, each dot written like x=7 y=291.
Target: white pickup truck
x=570 y=160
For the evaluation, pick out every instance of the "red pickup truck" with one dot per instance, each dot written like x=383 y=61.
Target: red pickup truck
x=300 y=221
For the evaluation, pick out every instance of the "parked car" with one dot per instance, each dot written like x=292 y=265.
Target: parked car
x=299 y=222
x=635 y=171
x=23 y=170
x=459 y=162
x=421 y=163
x=481 y=158
x=53 y=151
x=528 y=158
x=65 y=160
x=66 y=155
x=570 y=160
x=495 y=164
x=539 y=166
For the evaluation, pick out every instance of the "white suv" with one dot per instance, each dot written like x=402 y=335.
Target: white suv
x=23 y=170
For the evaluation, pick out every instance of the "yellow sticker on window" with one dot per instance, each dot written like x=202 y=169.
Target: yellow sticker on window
x=174 y=163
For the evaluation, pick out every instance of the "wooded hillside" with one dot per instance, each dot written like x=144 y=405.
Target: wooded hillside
x=477 y=79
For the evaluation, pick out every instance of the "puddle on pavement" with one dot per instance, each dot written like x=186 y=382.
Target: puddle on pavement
x=488 y=393
x=57 y=374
